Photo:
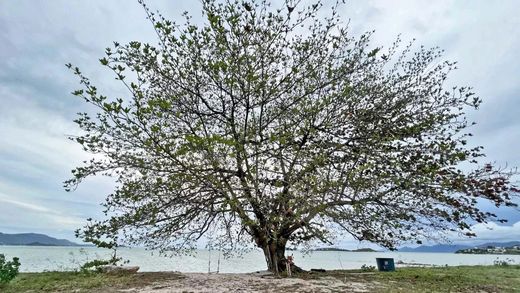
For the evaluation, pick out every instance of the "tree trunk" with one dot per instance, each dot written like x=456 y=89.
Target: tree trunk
x=274 y=253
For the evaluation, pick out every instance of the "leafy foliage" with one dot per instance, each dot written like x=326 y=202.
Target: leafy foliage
x=504 y=262
x=367 y=268
x=275 y=125
x=8 y=269
x=95 y=265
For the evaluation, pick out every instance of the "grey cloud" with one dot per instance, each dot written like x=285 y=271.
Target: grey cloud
x=36 y=109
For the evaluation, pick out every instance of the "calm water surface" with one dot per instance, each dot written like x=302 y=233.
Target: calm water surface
x=38 y=259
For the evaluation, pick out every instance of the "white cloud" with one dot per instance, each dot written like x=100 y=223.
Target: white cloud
x=37 y=216
x=36 y=110
x=25 y=205
x=488 y=232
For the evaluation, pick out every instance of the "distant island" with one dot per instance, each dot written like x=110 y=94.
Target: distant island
x=33 y=239
x=341 y=249
x=446 y=248
x=515 y=249
x=364 y=250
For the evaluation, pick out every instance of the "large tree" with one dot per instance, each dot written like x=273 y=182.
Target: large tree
x=271 y=124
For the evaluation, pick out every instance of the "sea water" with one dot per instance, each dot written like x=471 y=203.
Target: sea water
x=45 y=258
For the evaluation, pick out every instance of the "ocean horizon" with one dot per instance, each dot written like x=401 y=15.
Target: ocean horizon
x=68 y=258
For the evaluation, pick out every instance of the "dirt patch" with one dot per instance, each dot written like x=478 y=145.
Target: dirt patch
x=202 y=283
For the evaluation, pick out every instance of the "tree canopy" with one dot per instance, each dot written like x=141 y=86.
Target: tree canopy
x=270 y=124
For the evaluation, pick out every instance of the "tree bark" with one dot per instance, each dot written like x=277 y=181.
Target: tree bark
x=274 y=253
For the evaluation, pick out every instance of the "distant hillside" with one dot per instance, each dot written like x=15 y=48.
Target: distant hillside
x=364 y=250
x=434 y=248
x=454 y=248
x=512 y=247
x=33 y=239
x=330 y=249
x=499 y=244
x=341 y=249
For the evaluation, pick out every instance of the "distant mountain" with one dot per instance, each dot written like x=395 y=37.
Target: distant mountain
x=330 y=249
x=33 y=239
x=341 y=249
x=453 y=248
x=499 y=244
x=434 y=248
x=364 y=250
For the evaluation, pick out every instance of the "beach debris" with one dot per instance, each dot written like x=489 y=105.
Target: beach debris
x=263 y=274
x=111 y=269
x=288 y=264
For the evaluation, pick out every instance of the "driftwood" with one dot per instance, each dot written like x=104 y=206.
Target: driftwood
x=264 y=274
x=111 y=269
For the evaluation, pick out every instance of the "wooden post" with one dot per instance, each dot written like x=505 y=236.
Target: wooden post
x=288 y=264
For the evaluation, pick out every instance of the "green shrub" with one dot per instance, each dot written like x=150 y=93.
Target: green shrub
x=366 y=268
x=504 y=262
x=94 y=265
x=8 y=269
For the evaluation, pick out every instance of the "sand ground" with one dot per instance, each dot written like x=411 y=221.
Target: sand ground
x=254 y=282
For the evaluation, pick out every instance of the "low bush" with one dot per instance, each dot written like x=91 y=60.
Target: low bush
x=368 y=268
x=504 y=262
x=8 y=269
x=94 y=265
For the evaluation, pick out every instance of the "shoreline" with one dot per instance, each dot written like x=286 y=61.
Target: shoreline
x=495 y=278
x=39 y=259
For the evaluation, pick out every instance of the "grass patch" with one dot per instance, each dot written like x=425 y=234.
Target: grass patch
x=438 y=279
x=83 y=282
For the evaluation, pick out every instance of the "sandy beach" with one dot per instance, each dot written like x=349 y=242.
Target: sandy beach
x=467 y=279
x=254 y=282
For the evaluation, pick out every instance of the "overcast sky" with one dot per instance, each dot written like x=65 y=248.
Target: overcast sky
x=36 y=109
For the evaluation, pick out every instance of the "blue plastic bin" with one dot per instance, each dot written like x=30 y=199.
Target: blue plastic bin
x=385 y=264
